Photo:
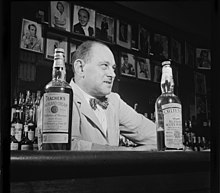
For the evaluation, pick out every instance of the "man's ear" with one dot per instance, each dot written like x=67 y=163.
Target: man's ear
x=79 y=67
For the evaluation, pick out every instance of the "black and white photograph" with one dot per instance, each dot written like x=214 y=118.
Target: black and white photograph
x=123 y=35
x=203 y=58
x=189 y=55
x=73 y=46
x=83 y=21
x=105 y=27
x=143 y=68
x=135 y=36
x=52 y=44
x=127 y=64
x=144 y=40
x=157 y=71
x=200 y=83
x=159 y=46
x=176 y=50
x=60 y=15
x=31 y=36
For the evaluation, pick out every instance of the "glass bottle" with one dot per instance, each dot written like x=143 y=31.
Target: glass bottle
x=17 y=125
x=168 y=113
x=26 y=143
x=57 y=108
x=14 y=144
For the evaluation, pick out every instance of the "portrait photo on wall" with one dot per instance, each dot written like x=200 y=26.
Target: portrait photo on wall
x=105 y=27
x=200 y=83
x=143 y=68
x=203 y=58
x=52 y=44
x=127 y=62
x=60 y=15
x=134 y=36
x=144 y=40
x=189 y=54
x=31 y=36
x=73 y=46
x=83 y=21
x=157 y=71
x=176 y=51
x=123 y=35
x=159 y=46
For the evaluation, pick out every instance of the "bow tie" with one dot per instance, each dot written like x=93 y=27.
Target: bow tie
x=103 y=102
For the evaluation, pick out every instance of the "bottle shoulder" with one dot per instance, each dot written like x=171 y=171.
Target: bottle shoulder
x=166 y=98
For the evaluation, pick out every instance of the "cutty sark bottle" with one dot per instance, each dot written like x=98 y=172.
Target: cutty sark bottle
x=57 y=108
x=168 y=112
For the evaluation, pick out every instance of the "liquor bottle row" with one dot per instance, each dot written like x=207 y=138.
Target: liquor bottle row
x=24 y=133
x=193 y=141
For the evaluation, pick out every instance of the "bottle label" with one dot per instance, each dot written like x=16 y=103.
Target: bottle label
x=18 y=131
x=55 y=138
x=14 y=146
x=173 y=125
x=30 y=135
x=56 y=116
x=25 y=147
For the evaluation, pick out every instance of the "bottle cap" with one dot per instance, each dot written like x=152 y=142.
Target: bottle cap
x=59 y=53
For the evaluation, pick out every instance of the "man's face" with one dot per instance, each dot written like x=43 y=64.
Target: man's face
x=99 y=72
x=83 y=17
x=32 y=30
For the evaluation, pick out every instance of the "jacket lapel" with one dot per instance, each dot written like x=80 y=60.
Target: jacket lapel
x=85 y=107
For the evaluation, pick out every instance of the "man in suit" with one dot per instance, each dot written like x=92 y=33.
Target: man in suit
x=82 y=27
x=97 y=125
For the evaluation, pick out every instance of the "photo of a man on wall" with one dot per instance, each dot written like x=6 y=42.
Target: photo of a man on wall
x=127 y=64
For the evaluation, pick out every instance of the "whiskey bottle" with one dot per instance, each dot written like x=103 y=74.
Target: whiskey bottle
x=17 y=125
x=57 y=108
x=168 y=113
x=26 y=143
x=14 y=144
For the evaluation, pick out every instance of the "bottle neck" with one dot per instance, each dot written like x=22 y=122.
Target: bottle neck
x=59 y=70
x=167 y=84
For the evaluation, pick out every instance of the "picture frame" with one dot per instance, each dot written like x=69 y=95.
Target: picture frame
x=189 y=54
x=52 y=44
x=143 y=68
x=157 y=71
x=159 y=46
x=73 y=45
x=144 y=40
x=200 y=83
x=203 y=58
x=31 y=36
x=123 y=35
x=127 y=64
x=59 y=16
x=135 y=36
x=176 y=50
x=80 y=12
x=105 y=28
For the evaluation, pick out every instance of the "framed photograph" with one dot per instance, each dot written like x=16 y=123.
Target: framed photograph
x=83 y=21
x=123 y=35
x=73 y=46
x=159 y=46
x=127 y=62
x=200 y=83
x=134 y=36
x=143 y=68
x=157 y=71
x=176 y=51
x=144 y=40
x=201 y=105
x=31 y=36
x=52 y=44
x=203 y=58
x=189 y=54
x=60 y=15
x=105 y=28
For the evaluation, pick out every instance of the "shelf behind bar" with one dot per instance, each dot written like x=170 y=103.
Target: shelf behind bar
x=50 y=165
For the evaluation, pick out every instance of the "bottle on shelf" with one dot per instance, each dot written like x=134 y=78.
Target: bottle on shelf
x=14 y=144
x=57 y=108
x=26 y=143
x=14 y=107
x=168 y=113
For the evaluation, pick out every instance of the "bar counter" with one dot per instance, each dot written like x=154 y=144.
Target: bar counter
x=109 y=171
